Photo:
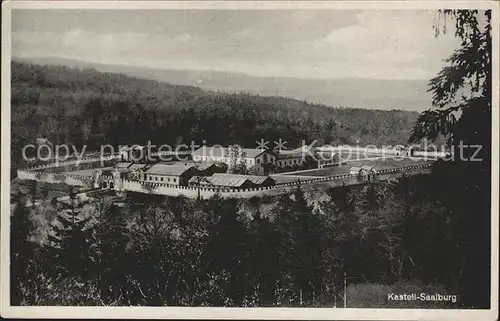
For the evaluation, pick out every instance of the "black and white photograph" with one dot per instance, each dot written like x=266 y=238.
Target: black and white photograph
x=315 y=159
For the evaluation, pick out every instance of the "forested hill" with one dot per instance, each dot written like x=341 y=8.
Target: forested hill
x=84 y=106
x=387 y=94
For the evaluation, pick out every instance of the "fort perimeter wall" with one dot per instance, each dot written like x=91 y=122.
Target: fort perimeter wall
x=204 y=192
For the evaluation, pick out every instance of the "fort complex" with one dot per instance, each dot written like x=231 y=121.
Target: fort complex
x=226 y=171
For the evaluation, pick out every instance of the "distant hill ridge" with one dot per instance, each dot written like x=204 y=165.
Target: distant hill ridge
x=347 y=92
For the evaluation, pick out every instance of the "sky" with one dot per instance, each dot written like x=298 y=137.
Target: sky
x=389 y=44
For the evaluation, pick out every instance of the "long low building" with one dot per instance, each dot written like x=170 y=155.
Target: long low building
x=232 y=180
x=326 y=159
x=176 y=174
x=363 y=170
x=284 y=160
x=261 y=160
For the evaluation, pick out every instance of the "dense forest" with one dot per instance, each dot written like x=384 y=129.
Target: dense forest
x=291 y=250
x=80 y=107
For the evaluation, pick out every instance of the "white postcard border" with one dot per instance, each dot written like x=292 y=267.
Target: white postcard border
x=241 y=313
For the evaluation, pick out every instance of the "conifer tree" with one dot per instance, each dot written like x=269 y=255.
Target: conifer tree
x=341 y=230
x=153 y=257
x=225 y=251
x=112 y=238
x=71 y=239
x=308 y=241
x=372 y=196
x=34 y=189
x=261 y=246
x=285 y=226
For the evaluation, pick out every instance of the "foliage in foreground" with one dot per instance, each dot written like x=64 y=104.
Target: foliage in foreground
x=462 y=112
x=259 y=252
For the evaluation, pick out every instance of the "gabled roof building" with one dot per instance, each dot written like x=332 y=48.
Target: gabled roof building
x=176 y=174
x=232 y=180
x=257 y=158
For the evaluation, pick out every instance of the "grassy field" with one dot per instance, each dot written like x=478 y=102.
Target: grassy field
x=391 y=162
x=87 y=172
x=379 y=163
x=328 y=171
x=356 y=155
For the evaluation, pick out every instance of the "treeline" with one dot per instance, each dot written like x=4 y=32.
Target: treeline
x=291 y=250
x=81 y=107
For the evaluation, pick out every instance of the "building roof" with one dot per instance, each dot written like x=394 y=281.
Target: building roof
x=41 y=141
x=219 y=151
x=123 y=165
x=204 y=166
x=230 y=180
x=212 y=151
x=365 y=168
x=137 y=166
x=304 y=149
x=252 y=178
x=252 y=153
x=168 y=170
x=288 y=155
x=199 y=179
x=328 y=154
x=220 y=181
x=107 y=172
x=188 y=163
x=133 y=147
